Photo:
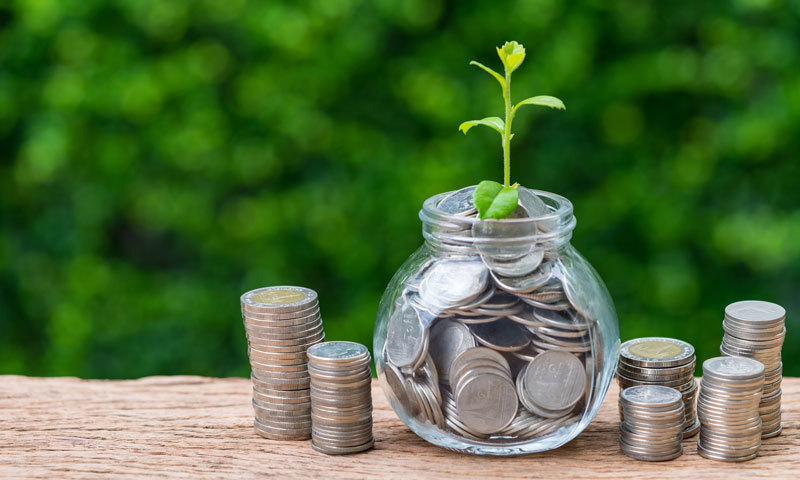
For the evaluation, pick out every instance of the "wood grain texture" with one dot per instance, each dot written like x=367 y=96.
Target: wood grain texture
x=195 y=427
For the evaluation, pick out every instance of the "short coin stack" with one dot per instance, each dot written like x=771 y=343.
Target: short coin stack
x=728 y=409
x=341 y=398
x=281 y=323
x=653 y=425
x=756 y=329
x=661 y=361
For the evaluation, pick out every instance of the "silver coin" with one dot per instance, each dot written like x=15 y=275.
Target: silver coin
x=582 y=284
x=337 y=450
x=516 y=267
x=756 y=312
x=449 y=339
x=336 y=351
x=450 y=282
x=732 y=368
x=651 y=396
x=555 y=380
x=459 y=202
x=526 y=283
x=487 y=403
x=405 y=338
x=503 y=335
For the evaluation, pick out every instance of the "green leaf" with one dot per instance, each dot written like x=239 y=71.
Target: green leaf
x=511 y=54
x=543 y=100
x=492 y=122
x=490 y=72
x=493 y=200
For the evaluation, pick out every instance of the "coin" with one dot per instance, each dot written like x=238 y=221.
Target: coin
x=453 y=282
x=503 y=335
x=405 y=337
x=449 y=339
x=755 y=312
x=487 y=403
x=459 y=202
x=582 y=285
x=555 y=380
x=278 y=299
x=656 y=352
x=525 y=283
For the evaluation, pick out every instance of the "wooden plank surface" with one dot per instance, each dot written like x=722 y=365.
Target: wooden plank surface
x=196 y=427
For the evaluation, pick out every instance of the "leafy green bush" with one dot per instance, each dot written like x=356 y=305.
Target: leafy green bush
x=159 y=158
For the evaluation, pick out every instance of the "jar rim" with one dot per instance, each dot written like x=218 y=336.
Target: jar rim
x=554 y=228
x=560 y=206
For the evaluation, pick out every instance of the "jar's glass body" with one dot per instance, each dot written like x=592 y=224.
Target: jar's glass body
x=496 y=337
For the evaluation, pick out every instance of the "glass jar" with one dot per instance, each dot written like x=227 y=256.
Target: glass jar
x=496 y=336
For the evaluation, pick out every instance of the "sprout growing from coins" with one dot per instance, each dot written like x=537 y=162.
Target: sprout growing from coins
x=492 y=199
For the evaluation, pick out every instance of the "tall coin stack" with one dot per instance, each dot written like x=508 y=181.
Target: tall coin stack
x=341 y=398
x=653 y=425
x=661 y=361
x=756 y=329
x=281 y=323
x=728 y=409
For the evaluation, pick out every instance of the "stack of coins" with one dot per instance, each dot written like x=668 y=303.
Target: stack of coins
x=281 y=323
x=653 y=425
x=661 y=361
x=756 y=330
x=728 y=409
x=341 y=398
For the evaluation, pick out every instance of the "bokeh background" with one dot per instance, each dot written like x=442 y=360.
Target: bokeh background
x=160 y=158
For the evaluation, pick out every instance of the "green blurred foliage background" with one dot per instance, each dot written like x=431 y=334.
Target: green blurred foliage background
x=159 y=158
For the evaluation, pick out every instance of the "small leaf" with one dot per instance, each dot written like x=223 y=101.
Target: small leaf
x=543 y=100
x=490 y=72
x=492 y=122
x=494 y=200
x=511 y=54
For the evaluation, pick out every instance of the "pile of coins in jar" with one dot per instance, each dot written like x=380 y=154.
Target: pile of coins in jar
x=489 y=342
x=739 y=397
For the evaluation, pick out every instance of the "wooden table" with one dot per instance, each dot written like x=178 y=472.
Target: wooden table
x=195 y=427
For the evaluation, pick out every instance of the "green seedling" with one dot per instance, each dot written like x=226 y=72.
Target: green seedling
x=492 y=199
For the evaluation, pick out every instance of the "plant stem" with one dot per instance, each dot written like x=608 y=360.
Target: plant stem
x=507 y=133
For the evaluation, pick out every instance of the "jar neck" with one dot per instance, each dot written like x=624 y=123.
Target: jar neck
x=550 y=228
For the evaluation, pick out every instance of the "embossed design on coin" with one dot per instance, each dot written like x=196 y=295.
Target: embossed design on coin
x=555 y=380
x=755 y=311
x=278 y=297
x=733 y=367
x=652 y=395
x=487 y=403
x=656 y=352
x=404 y=339
x=459 y=202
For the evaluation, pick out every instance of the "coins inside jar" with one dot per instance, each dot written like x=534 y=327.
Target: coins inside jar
x=484 y=337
